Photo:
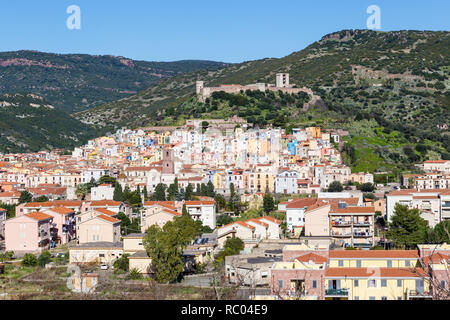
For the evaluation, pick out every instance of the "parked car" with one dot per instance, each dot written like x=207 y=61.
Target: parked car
x=104 y=267
x=60 y=255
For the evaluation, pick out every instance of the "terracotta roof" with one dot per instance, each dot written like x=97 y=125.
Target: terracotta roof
x=56 y=203
x=61 y=210
x=166 y=204
x=300 y=203
x=102 y=203
x=317 y=259
x=257 y=222
x=39 y=216
x=106 y=211
x=107 y=218
x=436 y=161
x=377 y=254
x=353 y=210
x=371 y=272
x=270 y=219
x=199 y=203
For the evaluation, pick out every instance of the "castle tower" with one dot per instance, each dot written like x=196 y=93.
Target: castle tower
x=199 y=85
x=168 y=165
x=282 y=80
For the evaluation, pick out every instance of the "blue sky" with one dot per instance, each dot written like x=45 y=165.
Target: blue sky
x=230 y=30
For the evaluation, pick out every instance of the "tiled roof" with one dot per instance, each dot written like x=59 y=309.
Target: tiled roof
x=317 y=259
x=108 y=218
x=301 y=203
x=106 y=211
x=270 y=219
x=61 y=210
x=39 y=216
x=376 y=254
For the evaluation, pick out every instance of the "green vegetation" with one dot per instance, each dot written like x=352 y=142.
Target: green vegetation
x=76 y=82
x=31 y=124
x=232 y=246
x=407 y=228
x=388 y=89
x=29 y=260
x=165 y=246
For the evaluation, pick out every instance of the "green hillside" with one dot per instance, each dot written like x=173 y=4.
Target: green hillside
x=29 y=123
x=76 y=82
x=396 y=81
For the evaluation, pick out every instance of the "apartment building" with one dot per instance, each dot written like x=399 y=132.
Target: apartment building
x=434 y=204
x=319 y=273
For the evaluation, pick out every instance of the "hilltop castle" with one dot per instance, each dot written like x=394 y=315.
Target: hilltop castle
x=282 y=84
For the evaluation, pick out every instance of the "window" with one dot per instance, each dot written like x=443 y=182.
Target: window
x=314 y=284
x=399 y=298
x=280 y=284
x=399 y=283
x=358 y=263
x=341 y=263
x=356 y=283
x=356 y=298
x=407 y=263
x=389 y=263
x=383 y=298
x=371 y=298
x=383 y=282
x=443 y=284
x=101 y=255
x=371 y=283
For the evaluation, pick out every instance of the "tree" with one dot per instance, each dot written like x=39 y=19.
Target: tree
x=223 y=219
x=367 y=187
x=160 y=193
x=165 y=247
x=145 y=193
x=407 y=228
x=184 y=211
x=125 y=222
x=232 y=246
x=107 y=180
x=188 y=193
x=268 y=203
x=41 y=199
x=440 y=233
x=25 y=197
x=118 y=193
x=44 y=258
x=335 y=186
x=6 y=256
x=122 y=263
x=210 y=189
x=173 y=190
x=220 y=201
x=29 y=260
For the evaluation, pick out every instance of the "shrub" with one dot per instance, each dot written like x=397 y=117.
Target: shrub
x=134 y=275
x=44 y=258
x=29 y=260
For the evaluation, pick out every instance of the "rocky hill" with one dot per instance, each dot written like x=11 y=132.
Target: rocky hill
x=390 y=89
x=76 y=82
x=29 y=123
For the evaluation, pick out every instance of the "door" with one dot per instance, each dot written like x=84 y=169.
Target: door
x=420 y=286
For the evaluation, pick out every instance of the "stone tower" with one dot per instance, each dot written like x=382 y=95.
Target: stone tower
x=168 y=165
x=282 y=80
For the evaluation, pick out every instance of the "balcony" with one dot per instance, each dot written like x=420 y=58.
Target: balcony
x=361 y=223
x=413 y=294
x=362 y=234
x=341 y=235
x=336 y=292
x=338 y=223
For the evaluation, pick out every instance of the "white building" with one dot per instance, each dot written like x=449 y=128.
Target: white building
x=102 y=192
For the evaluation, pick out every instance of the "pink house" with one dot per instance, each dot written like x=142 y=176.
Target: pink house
x=29 y=233
x=63 y=227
